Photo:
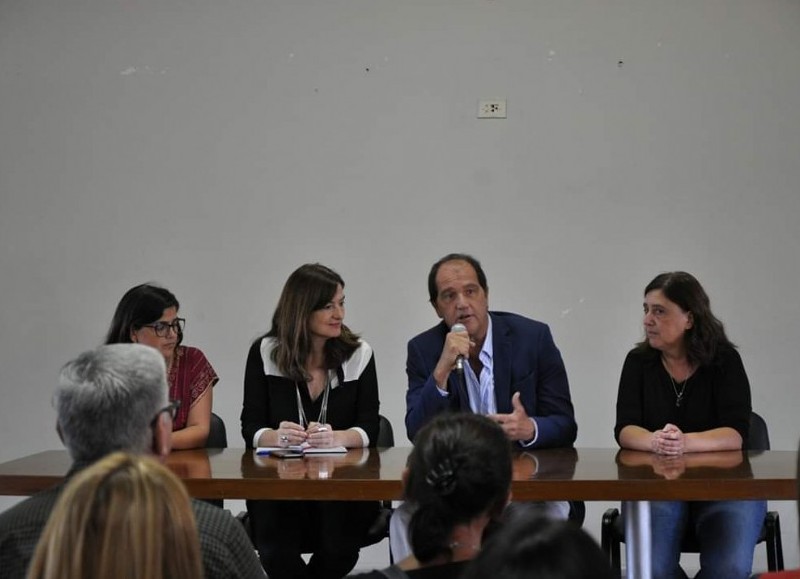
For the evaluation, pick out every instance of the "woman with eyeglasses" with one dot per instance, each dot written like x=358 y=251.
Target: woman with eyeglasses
x=310 y=380
x=148 y=314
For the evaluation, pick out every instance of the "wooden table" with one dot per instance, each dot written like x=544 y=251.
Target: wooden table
x=558 y=474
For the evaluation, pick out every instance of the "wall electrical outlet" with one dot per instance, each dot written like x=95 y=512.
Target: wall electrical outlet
x=492 y=109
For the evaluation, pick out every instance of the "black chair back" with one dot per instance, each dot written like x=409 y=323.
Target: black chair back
x=379 y=530
x=217 y=438
x=577 y=512
x=217 y=435
x=385 y=433
x=758 y=439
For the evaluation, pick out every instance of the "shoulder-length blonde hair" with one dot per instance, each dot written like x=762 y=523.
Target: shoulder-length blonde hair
x=310 y=287
x=124 y=516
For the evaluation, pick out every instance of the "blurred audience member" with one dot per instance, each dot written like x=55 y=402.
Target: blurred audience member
x=459 y=478
x=112 y=399
x=530 y=545
x=124 y=516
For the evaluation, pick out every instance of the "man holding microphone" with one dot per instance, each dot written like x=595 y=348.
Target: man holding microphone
x=502 y=365
x=512 y=370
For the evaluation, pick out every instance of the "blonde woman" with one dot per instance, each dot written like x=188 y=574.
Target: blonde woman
x=124 y=516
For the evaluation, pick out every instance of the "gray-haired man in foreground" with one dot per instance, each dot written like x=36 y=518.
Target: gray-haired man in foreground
x=115 y=398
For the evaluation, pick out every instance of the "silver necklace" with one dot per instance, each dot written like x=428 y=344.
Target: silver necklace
x=323 y=412
x=678 y=395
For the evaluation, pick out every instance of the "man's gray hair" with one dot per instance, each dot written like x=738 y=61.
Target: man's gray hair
x=107 y=399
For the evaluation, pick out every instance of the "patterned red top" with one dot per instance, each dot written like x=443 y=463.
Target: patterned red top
x=189 y=376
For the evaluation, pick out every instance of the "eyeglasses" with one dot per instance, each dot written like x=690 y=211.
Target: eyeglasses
x=162 y=328
x=172 y=408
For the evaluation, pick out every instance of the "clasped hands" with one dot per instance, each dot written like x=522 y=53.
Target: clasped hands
x=670 y=441
x=317 y=434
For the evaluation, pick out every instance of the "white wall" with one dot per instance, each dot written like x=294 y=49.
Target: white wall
x=214 y=146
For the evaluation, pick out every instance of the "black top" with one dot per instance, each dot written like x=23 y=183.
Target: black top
x=270 y=397
x=716 y=395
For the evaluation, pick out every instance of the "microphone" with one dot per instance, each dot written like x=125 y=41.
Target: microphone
x=460 y=358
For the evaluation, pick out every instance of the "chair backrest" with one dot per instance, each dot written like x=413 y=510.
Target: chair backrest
x=217 y=435
x=385 y=433
x=758 y=439
x=379 y=530
x=577 y=512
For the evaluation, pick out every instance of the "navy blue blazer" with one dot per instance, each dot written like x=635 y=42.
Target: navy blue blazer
x=526 y=360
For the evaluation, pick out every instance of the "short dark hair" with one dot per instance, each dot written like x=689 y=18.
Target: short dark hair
x=555 y=549
x=433 y=291
x=459 y=469
x=142 y=304
x=309 y=288
x=707 y=335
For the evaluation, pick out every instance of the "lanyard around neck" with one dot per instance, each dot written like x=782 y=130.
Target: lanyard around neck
x=323 y=412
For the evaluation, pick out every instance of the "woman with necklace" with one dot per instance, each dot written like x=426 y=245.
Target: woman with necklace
x=310 y=380
x=684 y=389
x=148 y=314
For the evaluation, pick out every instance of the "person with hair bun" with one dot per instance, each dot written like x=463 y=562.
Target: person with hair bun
x=459 y=478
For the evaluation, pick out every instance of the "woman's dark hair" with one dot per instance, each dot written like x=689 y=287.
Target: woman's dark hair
x=707 y=335
x=459 y=469
x=309 y=288
x=433 y=291
x=142 y=304
x=535 y=546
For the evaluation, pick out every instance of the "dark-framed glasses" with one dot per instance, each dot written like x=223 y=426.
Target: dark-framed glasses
x=162 y=328
x=171 y=408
